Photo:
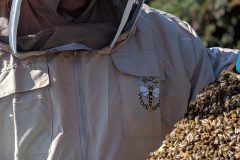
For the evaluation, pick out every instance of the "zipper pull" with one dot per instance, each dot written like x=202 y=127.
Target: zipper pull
x=75 y=53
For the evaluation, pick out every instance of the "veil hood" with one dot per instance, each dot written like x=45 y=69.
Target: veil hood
x=30 y=25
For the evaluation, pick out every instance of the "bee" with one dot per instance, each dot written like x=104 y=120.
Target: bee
x=150 y=93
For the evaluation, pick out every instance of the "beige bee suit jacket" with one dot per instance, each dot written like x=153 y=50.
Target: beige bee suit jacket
x=92 y=105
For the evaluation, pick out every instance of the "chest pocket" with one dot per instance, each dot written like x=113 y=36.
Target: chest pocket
x=140 y=76
x=25 y=106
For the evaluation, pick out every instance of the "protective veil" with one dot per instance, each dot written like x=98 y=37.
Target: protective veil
x=47 y=24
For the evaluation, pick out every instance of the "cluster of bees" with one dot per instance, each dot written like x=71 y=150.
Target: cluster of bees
x=211 y=126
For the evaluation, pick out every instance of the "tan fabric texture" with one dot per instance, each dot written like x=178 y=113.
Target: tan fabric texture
x=83 y=105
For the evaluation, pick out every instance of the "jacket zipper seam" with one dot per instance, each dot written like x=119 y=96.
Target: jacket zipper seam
x=81 y=109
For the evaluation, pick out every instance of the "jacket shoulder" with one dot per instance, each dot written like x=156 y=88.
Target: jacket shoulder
x=168 y=21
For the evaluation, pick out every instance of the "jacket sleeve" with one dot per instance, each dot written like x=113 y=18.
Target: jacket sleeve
x=208 y=64
x=221 y=58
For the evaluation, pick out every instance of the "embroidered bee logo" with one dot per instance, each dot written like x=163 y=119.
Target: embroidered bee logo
x=149 y=94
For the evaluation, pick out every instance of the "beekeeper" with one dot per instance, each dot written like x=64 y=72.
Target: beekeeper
x=95 y=80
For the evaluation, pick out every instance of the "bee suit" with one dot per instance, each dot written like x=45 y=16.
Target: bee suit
x=107 y=84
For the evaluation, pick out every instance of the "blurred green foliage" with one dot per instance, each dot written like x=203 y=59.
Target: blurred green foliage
x=216 y=21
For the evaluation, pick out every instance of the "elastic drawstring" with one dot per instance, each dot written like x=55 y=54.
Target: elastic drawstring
x=13 y=24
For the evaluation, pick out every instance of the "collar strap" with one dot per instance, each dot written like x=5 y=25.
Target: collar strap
x=13 y=24
x=124 y=20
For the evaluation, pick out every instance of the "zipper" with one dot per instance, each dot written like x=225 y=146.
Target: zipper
x=81 y=108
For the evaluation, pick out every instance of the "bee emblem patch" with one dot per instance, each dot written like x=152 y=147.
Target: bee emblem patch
x=149 y=93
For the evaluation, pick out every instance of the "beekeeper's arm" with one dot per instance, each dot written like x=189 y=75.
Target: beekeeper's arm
x=209 y=64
